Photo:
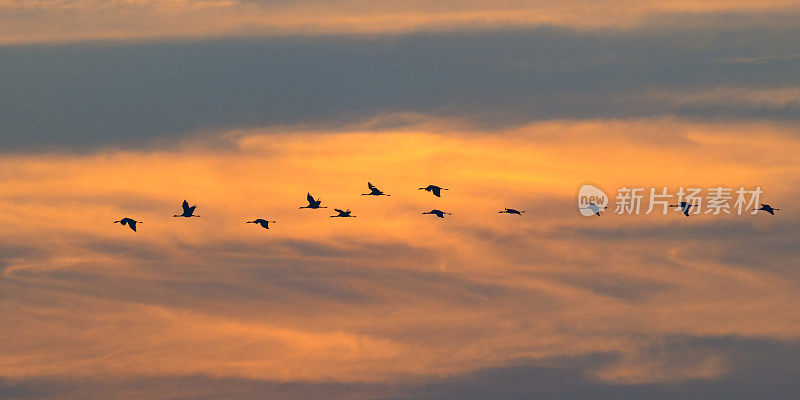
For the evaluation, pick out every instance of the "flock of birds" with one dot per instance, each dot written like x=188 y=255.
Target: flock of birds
x=685 y=206
x=188 y=211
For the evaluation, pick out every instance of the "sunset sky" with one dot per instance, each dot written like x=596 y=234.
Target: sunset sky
x=124 y=108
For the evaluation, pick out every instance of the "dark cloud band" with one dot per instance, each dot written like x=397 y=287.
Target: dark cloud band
x=79 y=96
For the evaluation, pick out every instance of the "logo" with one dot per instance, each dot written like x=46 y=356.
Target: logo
x=591 y=201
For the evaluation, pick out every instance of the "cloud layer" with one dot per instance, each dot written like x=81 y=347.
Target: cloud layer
x=393 y=295
x=90 y=95
x=125 y=108
x=33 y=21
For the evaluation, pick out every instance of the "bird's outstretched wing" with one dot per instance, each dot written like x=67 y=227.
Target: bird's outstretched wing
x=371 y=186
x=185 y=205
x=132 y=224
x=310 y=198
x=338 y=210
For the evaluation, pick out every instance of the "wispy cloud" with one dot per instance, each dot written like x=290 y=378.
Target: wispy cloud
x=88 y=96
x=65 y=21
x=125 y=108
x=320 y=300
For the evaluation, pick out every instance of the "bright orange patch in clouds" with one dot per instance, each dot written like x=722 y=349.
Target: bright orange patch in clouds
x=391 y=293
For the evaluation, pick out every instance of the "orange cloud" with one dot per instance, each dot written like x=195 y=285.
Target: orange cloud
x=64 y=21
x=391 y=293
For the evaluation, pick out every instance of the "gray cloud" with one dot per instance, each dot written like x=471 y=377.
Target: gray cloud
x=96 y=94
x=769 y=377
x=762 y=369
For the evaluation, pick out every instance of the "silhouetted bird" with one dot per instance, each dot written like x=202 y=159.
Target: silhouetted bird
x=373 y=191
x=264 y=223
x=187 y=211
x=764 y=207
x=685 y=206
x=510 y=211
x=128 y=221
x=436 y=190
x=438 y=213
x=312 y=203
x=594 y=207
x=343 y=213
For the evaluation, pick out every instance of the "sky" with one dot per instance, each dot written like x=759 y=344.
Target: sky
x=125 y=108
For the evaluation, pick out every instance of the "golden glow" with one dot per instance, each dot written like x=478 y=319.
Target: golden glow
x=433 y=297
